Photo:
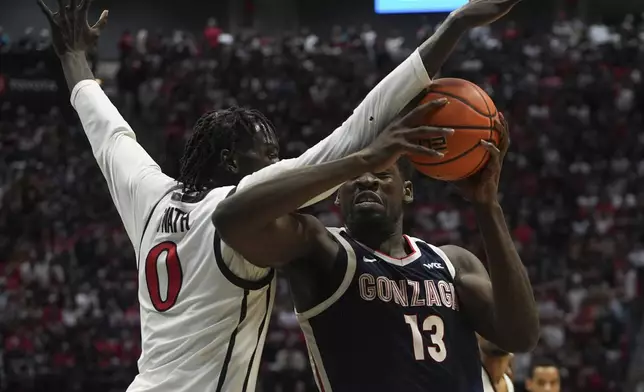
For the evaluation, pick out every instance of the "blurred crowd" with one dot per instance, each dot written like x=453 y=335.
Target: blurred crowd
x=571 y=188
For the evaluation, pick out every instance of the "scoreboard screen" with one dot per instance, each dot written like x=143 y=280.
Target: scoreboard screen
x=416 y=6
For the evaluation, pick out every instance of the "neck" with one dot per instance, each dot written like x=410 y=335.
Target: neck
x=496 y=367
x=389 y=241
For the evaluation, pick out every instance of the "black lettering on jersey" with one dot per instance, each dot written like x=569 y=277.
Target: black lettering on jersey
x=174 y=221
x=435 y=293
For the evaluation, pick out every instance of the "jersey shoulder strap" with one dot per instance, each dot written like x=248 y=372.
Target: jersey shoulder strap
x=346 y=250
x=440 y=253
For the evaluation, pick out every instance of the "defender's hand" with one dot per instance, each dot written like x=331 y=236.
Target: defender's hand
x=482 y=12
x=70 y=29
x=483 y=187
x=402 y=136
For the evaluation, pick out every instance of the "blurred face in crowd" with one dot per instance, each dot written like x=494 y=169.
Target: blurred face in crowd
x=544 y=379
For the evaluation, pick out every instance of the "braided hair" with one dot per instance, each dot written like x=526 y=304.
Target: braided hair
x=215 y=131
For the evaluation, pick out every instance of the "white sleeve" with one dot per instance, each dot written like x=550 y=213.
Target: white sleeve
x=134 y=179
x=370 y=118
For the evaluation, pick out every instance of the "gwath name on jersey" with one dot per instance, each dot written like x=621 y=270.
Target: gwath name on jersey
x=174 y=221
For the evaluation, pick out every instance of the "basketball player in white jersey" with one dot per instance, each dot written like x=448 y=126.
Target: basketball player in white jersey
x=204 y=309
x=496 y=367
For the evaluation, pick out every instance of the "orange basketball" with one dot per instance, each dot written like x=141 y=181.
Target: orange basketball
x=471 y=113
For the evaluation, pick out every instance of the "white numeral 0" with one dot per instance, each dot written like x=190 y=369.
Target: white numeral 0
x=437 y=352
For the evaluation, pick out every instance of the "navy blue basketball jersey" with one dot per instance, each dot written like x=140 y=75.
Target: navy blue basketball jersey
x=393 y=325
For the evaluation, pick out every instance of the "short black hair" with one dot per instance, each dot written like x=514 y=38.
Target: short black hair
x=212 y=133
x=541 y=362
x=405 y=167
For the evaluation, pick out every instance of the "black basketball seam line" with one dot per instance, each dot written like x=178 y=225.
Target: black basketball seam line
x=477 y=167
x=466 y=103
x=449 y=160
x=481 y=92
x=464 y=127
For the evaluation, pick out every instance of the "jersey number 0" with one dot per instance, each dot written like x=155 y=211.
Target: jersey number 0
x=173 y=271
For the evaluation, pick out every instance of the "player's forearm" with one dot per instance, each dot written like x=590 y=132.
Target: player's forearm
x=516 y=317
x=437 y=48
x=76 y=68
x=256 y=207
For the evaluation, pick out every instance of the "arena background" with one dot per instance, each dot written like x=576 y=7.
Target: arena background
x=568 y=75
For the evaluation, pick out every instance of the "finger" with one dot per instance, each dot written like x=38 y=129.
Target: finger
x=414 y=103
x=73 y=4
x=411 y=148
x=102 y=21
x=86 y=5
x=491 y=148
x=61 y=6
x=46 y=11
x=502 y=127
x=424 y=131
x=417 y=115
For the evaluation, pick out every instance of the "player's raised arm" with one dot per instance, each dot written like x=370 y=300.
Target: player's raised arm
x=135 y=181
x=394 y=92
x=259 y=222
x=500 y=305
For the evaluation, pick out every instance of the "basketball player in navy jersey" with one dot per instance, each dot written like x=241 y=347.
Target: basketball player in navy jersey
x=382 y=311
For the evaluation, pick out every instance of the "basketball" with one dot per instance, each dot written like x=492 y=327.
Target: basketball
x=471 y=113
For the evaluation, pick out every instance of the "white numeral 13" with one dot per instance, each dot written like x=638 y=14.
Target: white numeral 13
x=437 y=352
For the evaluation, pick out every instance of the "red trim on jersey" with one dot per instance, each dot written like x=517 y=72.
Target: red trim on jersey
x=316 y=372
x=409 y=243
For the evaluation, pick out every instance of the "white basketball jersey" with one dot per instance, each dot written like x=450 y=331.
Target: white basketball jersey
x=202 y=326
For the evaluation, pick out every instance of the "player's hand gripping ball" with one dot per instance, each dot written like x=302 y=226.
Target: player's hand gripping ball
x=473 y=116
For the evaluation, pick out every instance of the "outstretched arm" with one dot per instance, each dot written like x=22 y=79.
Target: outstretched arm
x=500 y=305
x=134 y=180
x=393 y=93
x=259 y=222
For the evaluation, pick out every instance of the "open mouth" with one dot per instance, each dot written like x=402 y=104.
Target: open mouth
x=367 y=198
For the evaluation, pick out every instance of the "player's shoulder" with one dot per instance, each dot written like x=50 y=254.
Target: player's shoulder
x=464 y=261
x=446 y=253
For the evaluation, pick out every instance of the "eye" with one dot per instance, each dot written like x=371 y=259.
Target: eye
x=383 y=175
x=272 y=153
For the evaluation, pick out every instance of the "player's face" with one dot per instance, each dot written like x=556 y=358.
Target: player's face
x=544 y=379
x=374 y=200
x=263 y=151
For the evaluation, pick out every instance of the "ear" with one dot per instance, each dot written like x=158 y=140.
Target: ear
x=528 y=384
x=408 y=192
x=227 y=160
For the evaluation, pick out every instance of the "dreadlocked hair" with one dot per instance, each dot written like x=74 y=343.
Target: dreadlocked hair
x=201 y=165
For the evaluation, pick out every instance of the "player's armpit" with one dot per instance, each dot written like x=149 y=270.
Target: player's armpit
x=474 y=290
x=476 y=298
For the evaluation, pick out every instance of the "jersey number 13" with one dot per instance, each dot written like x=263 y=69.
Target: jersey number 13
x=435 y=326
